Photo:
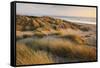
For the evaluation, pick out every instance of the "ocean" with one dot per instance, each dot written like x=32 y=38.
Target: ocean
x=85 y=20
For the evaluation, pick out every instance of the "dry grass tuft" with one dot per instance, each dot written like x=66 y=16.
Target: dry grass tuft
x=74 y=38
x=63 y=48
x=26 y=56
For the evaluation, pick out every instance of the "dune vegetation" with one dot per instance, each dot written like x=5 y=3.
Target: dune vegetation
x=26 y=56
x=46 y=40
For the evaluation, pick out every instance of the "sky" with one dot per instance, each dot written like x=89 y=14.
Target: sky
x=54 y=10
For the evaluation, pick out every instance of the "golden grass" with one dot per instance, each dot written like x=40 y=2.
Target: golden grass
x=65 y=48
x=39 y=34
x=55 y=39
x=26 y=56
x=43 y=50
x=74 y=38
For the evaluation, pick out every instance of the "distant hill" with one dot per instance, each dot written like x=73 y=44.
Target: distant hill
x=31 y=23
x=29 y=26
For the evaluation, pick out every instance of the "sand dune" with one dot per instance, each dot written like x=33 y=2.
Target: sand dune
x=52 y=40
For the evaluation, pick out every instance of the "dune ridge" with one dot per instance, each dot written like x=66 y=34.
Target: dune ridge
x=45 y=40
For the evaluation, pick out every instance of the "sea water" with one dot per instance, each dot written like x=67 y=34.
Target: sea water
x=85 y=20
